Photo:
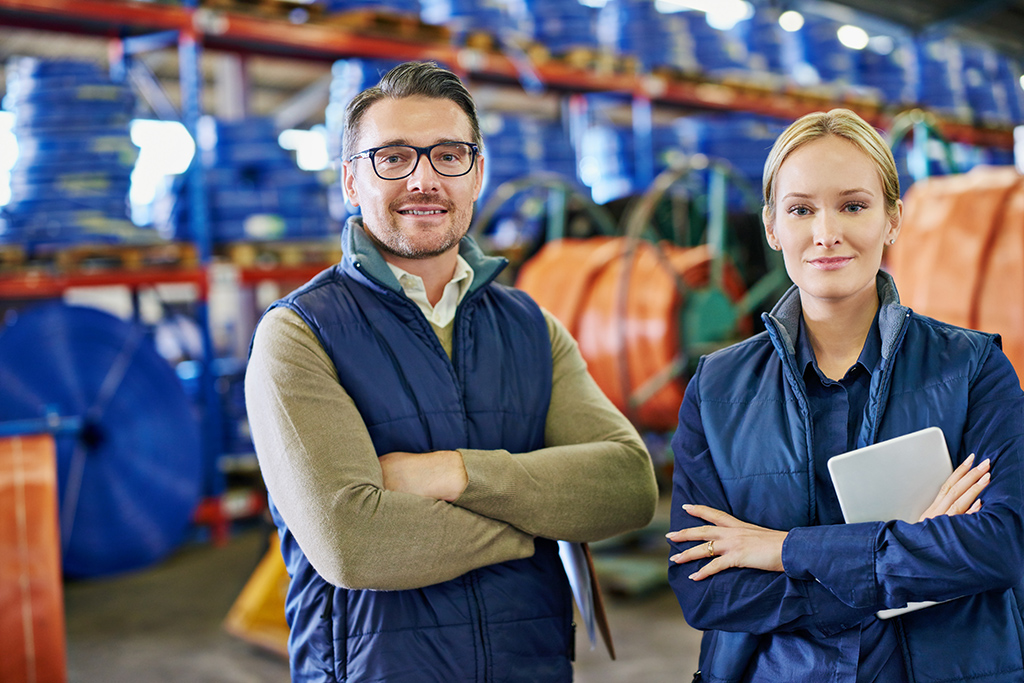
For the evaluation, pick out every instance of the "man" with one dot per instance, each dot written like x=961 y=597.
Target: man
x=425 y=433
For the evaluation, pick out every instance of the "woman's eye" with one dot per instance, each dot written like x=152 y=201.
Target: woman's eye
x=800 y=211
x=855 y=208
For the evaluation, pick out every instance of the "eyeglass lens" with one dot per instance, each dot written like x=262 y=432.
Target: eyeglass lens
x=398 y=161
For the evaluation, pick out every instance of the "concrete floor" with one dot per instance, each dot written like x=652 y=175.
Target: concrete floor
x=164 y=625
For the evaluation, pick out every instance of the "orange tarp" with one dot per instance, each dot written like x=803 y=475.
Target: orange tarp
x=32 y=640
x=960 y=256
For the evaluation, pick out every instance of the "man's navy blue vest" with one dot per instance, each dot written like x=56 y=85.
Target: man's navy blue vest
x=510 y=622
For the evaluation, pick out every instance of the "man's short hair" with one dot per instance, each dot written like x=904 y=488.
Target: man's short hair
x=408 y=79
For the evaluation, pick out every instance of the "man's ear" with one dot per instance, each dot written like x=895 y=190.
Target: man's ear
x=348 y=184
x=479 y=176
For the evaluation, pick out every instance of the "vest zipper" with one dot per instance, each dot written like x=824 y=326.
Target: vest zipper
x=483 y=671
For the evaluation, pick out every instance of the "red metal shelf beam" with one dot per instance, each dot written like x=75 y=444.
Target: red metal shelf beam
x=45 y=285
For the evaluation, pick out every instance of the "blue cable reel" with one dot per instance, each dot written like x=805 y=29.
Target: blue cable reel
x=129 y=457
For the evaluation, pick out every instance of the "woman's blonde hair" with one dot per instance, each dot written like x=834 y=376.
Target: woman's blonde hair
x=841 y=123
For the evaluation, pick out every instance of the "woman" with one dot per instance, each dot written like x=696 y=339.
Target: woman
x=762 y=561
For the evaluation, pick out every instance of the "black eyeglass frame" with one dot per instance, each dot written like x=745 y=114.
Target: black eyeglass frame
x=420 y=152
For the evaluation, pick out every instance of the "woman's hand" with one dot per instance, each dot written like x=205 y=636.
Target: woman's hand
x=731 y=542
x=959 y=493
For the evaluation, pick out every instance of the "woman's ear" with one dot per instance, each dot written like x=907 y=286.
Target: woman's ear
x=896 y=223
x=769 y=230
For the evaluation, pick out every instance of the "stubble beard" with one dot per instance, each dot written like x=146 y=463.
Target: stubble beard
x=391 y=239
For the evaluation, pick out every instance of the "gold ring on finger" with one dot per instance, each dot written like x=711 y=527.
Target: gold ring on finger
x=711 y=548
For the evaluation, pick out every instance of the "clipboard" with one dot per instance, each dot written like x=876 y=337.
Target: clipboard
x=586 y=590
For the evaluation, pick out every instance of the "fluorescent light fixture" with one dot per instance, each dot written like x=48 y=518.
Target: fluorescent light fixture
x=165 y=149
x=164 y=146
x=791 y=21
x=853 y=37
x=310 y=147
x=720 y=14
x=8 y=154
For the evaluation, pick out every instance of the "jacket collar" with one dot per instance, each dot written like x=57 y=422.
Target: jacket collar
x=360 y=251
x=785 y=316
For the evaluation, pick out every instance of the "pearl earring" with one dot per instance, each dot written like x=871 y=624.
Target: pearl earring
x=892 y=241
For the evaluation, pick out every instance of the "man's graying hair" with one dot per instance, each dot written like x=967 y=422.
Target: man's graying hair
x=425 y=79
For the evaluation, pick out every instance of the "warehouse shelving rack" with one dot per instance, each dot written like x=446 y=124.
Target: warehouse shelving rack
x=133 y=26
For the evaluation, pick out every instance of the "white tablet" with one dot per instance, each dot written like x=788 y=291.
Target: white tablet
x=890 y=480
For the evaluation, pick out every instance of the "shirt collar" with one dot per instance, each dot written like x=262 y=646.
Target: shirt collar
x=455 y=291
x=869 y=359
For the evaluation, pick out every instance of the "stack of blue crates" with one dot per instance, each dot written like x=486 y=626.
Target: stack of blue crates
x=254 y=189
x=940 y=79
x=719 y=54
x=834 y=62
x=892 y=75
x=75 y=155
x=562 y=25
x=1009 y=73
x=497 y=18
x=764 y=41
x=407 y=7
x=636 y=28
x=986 y=90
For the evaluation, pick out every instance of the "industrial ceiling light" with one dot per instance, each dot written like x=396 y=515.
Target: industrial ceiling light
x=853 y=37
x=791 y=21
x=720 y=14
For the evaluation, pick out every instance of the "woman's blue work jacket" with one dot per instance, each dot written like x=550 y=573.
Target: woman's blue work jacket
x=752 y=460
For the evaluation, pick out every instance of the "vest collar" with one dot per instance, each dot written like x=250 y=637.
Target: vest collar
x=891 y=314
x=359 y=249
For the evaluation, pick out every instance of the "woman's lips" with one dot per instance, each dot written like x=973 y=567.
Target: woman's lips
x=831 y=263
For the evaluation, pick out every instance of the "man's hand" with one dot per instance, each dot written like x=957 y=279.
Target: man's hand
x=438 y=474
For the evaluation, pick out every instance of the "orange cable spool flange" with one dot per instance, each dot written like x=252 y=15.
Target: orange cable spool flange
x=31 y=594
x=626 y=344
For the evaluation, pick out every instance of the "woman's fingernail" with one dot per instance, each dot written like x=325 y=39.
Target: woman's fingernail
x=675 y=558
x=985 y=478
x=687 y=506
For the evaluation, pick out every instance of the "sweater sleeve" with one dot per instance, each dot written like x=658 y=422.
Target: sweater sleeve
x=740 y=599
x=592 y=480
x=322 y=472
x=890 y=564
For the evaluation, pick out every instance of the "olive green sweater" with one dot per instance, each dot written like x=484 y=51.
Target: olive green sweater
x=593 y=480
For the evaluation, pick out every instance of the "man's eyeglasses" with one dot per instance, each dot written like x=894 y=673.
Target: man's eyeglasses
x=394 y=162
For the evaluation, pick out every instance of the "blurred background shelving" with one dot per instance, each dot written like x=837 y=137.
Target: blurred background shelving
x=171 y=165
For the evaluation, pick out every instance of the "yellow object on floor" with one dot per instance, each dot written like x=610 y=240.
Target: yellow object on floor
x=257 y=615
